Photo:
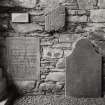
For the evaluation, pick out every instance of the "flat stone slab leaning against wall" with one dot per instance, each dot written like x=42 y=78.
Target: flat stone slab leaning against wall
x=83 y=71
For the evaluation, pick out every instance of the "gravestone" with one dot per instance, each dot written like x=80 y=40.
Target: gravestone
x=55 y=19
x=83 y=71
x=23 y=58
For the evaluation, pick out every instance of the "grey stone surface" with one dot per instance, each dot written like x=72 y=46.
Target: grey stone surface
x=25 y=86
x=97 y=15
x=86 y=4
x=20 y=17
x=56 y=76
x=55 y=19
x=25 y=3
x=83 y=71
x=26 y=28
x=101 y=3
x=78 y=18
x=61 y=63
x=23 y=57
x=52 y=52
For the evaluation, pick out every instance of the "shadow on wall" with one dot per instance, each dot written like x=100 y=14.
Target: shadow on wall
x=7 y=88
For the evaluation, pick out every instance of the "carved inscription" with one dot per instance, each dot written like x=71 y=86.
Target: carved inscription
x=23 y=57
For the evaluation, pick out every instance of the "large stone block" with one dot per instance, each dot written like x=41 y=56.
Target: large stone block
x=25 y=86
x=52 y=53
x=86 y=4
x=84 y=71
x=25 y=3
x=97 y=15
x=55 y=19
x=91 y=27
x=77 y=18
x=56 y=76
x=65 y=38
x=63 y=45
x=20 y=17
x=50 y=3
x=101 y=3
x=26 y=28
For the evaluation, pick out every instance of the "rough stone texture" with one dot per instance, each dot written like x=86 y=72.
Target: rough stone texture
x=101 y=46
x=77 y=12
x=26 y=28
x=52 y=53
x=65 y=38
x=58 y=70
x=37 y=18
x=97 y=15
x=81 y=21
x=26 y=3
x=67 y=52
x=63 y=45
x=47 y=41
x=83 y=71
x=101 y=3
x=61 y=63
x=56 y=76
x=25 y=86
x=86 y=4
x=50 y=4
x=50 y=86
x=98 y=35
x=55 y=19
x=71 y=4
x=58 y=100
x=78 y=18
x=92 y=27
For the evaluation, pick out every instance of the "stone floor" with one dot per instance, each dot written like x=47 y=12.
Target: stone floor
x=58 y=100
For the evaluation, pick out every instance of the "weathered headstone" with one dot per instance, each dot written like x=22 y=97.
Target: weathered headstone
x=23 y=57
x=83 y=71
x=55 y=19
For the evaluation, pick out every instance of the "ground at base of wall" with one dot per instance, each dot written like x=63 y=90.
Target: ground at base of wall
x=58 y=100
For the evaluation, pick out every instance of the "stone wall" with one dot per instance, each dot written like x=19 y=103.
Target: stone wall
x=80 y=18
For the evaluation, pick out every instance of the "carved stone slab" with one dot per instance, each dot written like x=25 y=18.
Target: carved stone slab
x=55 y=19
x=20 y=17
x=23 y=57
x=83 y=71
